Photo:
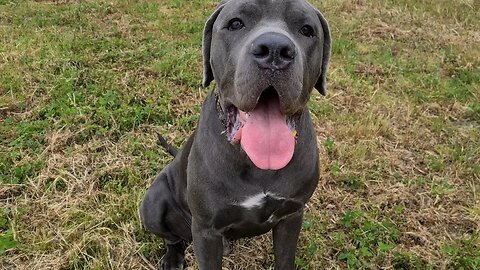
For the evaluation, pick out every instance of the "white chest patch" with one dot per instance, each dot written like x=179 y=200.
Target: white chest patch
x=256 y=200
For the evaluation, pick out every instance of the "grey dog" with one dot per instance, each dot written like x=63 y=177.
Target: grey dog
x=252 y=163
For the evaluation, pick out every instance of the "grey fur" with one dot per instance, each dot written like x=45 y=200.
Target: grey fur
x=197 y=196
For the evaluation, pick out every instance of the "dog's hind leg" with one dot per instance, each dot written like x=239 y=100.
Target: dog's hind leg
x=161 y=215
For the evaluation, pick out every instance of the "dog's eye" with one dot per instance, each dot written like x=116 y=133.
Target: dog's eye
x=307 y=31
x=235 y=24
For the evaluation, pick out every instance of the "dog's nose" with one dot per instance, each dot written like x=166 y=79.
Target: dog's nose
x=273 y=51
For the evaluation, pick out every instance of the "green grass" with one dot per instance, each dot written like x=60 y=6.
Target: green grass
x=86 y=85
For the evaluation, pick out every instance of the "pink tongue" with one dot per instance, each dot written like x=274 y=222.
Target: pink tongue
x=266 y=138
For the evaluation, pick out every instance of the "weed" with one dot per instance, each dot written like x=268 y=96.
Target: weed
x=464 y=253
x=369 y=239
x=329 y=145
x=405 y=261
x=7 y=240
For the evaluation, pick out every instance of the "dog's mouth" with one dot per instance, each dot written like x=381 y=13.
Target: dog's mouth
x=266 y=135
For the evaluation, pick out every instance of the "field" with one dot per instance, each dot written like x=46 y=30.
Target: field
x=86 y=85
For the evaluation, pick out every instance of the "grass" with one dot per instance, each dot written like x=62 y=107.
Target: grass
x=85 y=86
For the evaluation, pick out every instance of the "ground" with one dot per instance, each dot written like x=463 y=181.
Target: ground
x=86 y=85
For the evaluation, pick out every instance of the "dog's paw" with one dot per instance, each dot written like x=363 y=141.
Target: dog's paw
x=174 y=259
x=169 y=266
x=227 y=246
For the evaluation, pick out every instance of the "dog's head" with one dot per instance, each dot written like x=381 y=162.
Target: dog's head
x=266 y=57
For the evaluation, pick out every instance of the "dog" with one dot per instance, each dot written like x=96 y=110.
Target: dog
x=252 y=163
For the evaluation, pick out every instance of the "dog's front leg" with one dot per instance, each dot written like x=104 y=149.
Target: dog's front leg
x=285 y=236
x=208 y=247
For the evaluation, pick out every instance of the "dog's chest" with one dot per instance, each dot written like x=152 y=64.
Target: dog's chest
x=254 y=214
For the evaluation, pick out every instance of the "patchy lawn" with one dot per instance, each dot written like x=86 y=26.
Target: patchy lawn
x=85 y=86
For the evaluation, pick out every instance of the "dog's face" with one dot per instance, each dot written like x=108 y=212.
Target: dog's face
x=251 y=45
x=266 y=56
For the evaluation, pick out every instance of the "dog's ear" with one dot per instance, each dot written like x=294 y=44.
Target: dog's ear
x=206 y=44
x=321 y=84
